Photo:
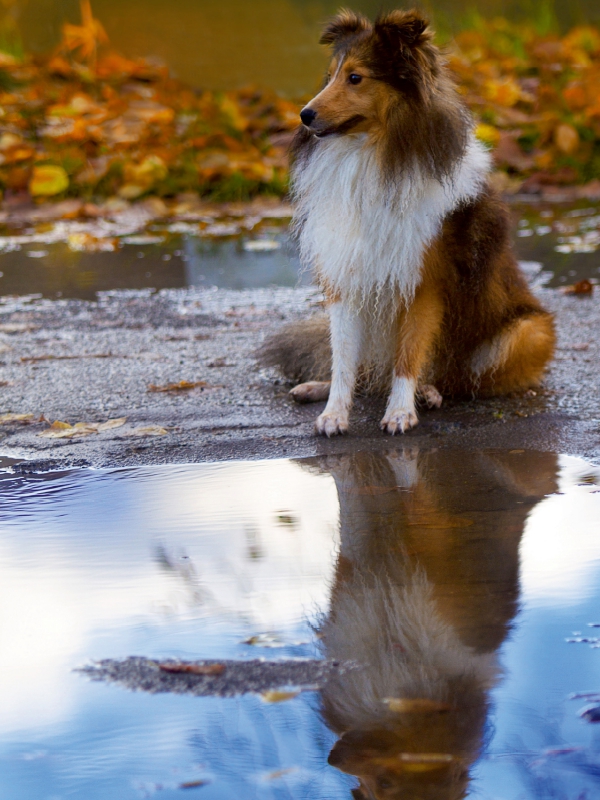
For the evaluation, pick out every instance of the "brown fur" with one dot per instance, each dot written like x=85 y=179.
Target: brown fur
x=473 y=307
x=425 y=590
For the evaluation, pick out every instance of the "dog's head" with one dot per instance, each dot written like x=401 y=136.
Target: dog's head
x=374 y=67
x=375 y=758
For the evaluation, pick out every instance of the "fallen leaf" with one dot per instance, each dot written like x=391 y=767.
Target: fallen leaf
x=48 y=180
x=581 y=287
x=590 y=713
x=182 y=386
x=112 y=423
x=420 y=705
x=50 y=357
x=193 y=669
x=279 y=773
x=23 y=419
x=85 y=242
x=193 y=784
x=566 y=139
x=275 y=696
x=17 y=327
x=62 y=430
x=264 y=640
x=148 y=430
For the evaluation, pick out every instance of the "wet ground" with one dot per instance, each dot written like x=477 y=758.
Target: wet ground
x=91 y=356
x=425 y=622
x=276 y=615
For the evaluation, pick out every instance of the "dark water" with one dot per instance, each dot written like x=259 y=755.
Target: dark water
x=223 y=44
x=54 y=270
x=558 y=245
x=452 y=578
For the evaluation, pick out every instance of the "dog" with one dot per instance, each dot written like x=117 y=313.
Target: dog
x=425 y=590
x=409 y=243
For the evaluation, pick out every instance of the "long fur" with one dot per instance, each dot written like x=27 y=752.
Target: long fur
x=411 y=247
x=407 y=214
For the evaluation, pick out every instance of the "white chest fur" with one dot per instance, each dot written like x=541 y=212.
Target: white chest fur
x=363 y=236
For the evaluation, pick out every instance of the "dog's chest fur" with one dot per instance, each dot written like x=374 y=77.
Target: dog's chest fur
x=364 y=235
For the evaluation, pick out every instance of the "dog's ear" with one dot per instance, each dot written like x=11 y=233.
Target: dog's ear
x=403 y=30
x=345 y=23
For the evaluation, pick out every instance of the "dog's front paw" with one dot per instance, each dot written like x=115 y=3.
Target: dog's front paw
x=332 y=423
x=398 y=420
x=429 y=395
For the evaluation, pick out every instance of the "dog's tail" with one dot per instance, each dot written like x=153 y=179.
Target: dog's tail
x=300 y=350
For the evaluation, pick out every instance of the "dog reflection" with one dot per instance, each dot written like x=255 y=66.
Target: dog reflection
x=425 y=590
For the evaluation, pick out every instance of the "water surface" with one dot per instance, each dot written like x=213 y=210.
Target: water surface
x=454 y=578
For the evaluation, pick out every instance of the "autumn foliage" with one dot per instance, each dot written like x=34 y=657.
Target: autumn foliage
x=536 y=100
x=85 y=121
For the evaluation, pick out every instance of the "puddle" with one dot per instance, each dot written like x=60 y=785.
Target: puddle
x=563 y=239
x=453 y=580
x=557 y=245
x=79 y=259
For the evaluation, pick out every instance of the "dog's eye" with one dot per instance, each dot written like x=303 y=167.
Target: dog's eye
x=355 y=79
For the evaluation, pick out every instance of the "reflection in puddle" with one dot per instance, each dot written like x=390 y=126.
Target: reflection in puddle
x=453 y=580
x=557 y=246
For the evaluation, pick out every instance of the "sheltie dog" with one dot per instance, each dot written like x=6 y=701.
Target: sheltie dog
x=410 y=245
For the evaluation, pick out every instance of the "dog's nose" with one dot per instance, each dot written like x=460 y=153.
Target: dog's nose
x=307 y=115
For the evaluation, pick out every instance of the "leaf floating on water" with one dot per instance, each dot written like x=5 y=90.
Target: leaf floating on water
x=261 y=246
x=418 y=705
x=22 y=419
x=193 y=784
x=264 y=640
x=584 y=287
x=275 y=696
x=590 y=713
x=279 y=773
x=182 y=386
x=85 y=242
x=193 y=669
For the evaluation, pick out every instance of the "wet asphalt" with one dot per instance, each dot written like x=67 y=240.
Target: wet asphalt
x=80 y=361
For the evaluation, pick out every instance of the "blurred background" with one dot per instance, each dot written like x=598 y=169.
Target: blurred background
x=225 y=44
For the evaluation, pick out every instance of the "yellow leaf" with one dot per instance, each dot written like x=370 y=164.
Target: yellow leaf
x=48 y=180
x=62 y=430
x=504 y=92
x=112 y=423
x=487 y=134
x=182 y=386
x=149 y=430
x=23 y=418
x=566 y=138
x=275 y=696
